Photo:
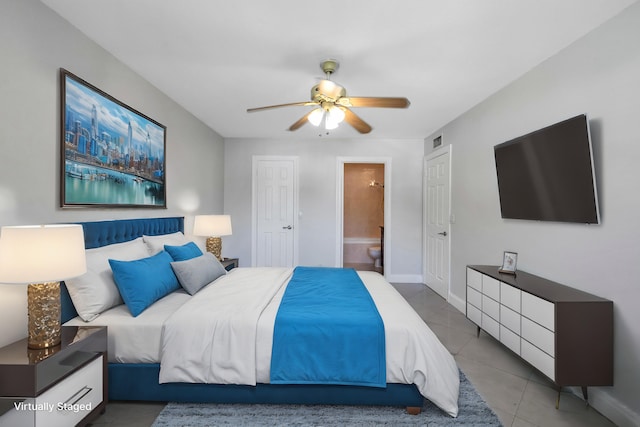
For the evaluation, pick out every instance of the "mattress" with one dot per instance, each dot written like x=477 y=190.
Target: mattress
x=136 y=339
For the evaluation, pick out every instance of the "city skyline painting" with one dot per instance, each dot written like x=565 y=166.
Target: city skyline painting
x=112 y=155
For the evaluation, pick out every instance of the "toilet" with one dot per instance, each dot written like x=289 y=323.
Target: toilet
x=374 y=253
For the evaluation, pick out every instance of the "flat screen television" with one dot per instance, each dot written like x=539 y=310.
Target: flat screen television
x=548 y=175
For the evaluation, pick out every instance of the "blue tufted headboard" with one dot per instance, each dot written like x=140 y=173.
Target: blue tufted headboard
x=102 y=233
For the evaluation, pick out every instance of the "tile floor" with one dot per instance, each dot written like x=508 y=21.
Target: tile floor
x=519 y=395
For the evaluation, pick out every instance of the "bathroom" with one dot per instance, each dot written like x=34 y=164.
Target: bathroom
x=363 y=216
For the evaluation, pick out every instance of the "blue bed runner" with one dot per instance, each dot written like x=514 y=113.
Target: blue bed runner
x=328 y=331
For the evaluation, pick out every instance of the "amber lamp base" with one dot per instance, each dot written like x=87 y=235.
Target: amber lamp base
x=214 y=245
x=43 y=307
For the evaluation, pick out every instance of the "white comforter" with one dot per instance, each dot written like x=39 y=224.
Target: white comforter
x=224 y=334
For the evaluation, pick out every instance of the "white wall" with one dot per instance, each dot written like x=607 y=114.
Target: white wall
x=317 y=223
x=599 y=75
x=34 y=44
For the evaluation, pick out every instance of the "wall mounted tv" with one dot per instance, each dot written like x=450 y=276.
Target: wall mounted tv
x=548 y=175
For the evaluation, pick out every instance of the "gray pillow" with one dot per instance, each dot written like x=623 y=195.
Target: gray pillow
x=195 y=273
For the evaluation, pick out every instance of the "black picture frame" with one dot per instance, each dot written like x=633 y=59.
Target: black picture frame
x=111 y=154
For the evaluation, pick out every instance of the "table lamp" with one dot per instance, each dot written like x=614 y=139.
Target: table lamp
x=41 y=256
x=213 y=226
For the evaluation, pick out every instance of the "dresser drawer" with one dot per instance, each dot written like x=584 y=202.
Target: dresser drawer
x=474 y=279
x=510 y=319
x=491 y=326
x=73 y=398
x=538 y=358
x=474 y=314
x=541 y=337
x=474 y=297
x=491 y=307
x=491 y=287
x=510 y=297
x=510 y=339
x=538 y=310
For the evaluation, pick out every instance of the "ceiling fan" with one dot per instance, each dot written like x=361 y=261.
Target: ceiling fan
x=333 y=104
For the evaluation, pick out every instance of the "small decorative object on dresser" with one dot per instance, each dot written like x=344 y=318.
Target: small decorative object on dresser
x=564 y=333
x=509 y=261
x=55 y=387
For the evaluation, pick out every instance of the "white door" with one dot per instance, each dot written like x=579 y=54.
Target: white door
x=436 y=188
x=274 y=207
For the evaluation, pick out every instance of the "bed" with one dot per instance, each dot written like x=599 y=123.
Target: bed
x=137 y=345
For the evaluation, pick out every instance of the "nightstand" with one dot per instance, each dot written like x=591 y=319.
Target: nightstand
x=62 y=386
x=229 y=263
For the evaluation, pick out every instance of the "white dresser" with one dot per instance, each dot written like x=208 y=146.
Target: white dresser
x=565 y=333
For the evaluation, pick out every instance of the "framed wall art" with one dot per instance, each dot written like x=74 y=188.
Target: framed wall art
x=112 y=155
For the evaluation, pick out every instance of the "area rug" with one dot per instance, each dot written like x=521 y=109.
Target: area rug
x=473 y=411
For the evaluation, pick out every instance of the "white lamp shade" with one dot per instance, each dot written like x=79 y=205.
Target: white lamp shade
x=212 y=225
x=41 y=253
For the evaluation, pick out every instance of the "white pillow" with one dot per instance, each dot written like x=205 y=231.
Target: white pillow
x=95 y=291
x=155 y=244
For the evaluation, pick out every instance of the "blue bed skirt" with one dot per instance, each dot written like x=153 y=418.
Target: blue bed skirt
x=139 y=382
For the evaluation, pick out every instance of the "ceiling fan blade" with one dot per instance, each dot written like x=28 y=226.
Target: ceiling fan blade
x=355 y=121
x=359 y=101
x=252 y=110
x=297 y=125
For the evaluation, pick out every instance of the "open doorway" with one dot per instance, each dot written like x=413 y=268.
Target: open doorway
x=363 y=199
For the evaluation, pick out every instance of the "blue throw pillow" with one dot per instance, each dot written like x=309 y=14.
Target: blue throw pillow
x=144 y=281
x=184 y=252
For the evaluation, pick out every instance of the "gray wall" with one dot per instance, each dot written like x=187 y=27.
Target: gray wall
x=34 y=43
x=317 y=203
x=598 y=75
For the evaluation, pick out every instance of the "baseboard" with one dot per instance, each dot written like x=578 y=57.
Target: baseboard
x=617 y=412
x=404 y=278
x=458 y=303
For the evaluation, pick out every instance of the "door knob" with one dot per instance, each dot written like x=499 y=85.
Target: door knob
x=444 y=233
x=288 y=227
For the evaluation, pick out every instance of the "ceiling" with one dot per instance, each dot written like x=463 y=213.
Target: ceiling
x=218 y=58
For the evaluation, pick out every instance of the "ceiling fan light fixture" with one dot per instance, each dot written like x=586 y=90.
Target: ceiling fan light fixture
x=330 y=124
x=316 y=116
x=331 y=116
x=336 y=114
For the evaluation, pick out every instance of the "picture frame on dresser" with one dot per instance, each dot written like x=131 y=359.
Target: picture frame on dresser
x=111 y=154
x=509 y=261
